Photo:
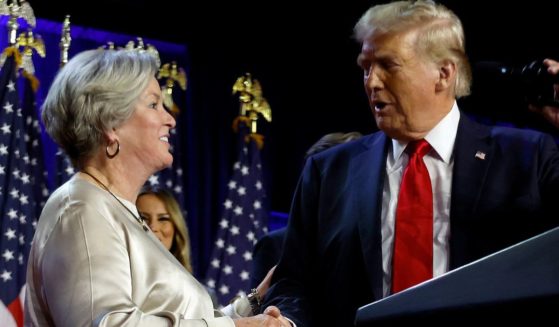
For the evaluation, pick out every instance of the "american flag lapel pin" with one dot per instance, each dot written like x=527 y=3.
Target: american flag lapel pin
x=480 y=155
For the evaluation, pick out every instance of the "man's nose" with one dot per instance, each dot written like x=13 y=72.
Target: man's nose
x=373 y=81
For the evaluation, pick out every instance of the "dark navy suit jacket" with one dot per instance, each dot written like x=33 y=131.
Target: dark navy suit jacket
x=265 y=255
x=331 y=264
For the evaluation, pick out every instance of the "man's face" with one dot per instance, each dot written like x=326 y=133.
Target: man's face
x=401 y=84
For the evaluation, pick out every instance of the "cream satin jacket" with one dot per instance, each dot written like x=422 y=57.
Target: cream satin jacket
x=92 y=264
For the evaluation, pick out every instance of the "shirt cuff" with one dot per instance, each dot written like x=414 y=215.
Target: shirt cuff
x=239 y=308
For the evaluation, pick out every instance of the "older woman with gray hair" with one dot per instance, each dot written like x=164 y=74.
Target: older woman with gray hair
x=93 y=261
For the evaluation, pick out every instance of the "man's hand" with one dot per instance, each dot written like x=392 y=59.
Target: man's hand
x=270 y=318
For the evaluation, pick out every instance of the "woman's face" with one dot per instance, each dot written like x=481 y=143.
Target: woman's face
x=144 y=138
x=153 y=212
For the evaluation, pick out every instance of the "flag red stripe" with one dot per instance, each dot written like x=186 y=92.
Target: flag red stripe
x=17 y=311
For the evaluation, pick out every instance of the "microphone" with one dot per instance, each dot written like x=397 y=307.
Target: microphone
x=532 y=80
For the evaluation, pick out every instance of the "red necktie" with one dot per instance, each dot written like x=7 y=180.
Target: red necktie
x=412 y=262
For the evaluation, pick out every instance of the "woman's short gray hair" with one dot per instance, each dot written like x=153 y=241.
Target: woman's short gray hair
x=441 y=37
x=94 y=93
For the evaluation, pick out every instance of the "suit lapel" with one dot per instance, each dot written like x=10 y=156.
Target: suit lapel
x=368 y=168
x=473 y=153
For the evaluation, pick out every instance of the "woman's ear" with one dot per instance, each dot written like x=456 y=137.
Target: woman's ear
x=113 y=146
x=447 y=76
x=111 y=136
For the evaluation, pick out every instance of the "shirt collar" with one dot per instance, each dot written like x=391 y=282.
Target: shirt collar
x=441 y=137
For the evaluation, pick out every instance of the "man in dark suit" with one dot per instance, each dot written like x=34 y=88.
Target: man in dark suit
x=491 y=187
x=268 y=249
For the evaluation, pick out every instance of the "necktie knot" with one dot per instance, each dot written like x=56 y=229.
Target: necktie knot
x=418 y=147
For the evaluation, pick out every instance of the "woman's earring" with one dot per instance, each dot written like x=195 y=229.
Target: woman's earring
x=112 y=155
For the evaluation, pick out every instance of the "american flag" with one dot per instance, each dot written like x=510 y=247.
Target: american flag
x=34 y=143
x=64 y=168
x=17 y=204
x=244 y=220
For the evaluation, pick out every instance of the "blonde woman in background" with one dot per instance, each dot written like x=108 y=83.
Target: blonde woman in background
x=161 y=212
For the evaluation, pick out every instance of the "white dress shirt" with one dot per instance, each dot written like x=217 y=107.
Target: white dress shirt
x=439 y=162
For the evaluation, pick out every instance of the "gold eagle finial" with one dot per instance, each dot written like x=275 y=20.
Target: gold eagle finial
x=26 y=12
x=141 y=47
x=173 y=73
x=30 y=42
x=251 y=100
x=20 y=9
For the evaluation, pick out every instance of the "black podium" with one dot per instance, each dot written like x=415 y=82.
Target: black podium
x=520 y=282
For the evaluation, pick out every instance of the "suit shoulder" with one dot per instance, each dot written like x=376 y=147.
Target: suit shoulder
x=501 y=133
x=352 y=147
x=504 y=134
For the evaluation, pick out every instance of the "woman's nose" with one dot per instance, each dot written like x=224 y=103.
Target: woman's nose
x=153 y=225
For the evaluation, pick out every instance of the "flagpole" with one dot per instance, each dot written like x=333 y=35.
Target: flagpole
x=244 y=218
